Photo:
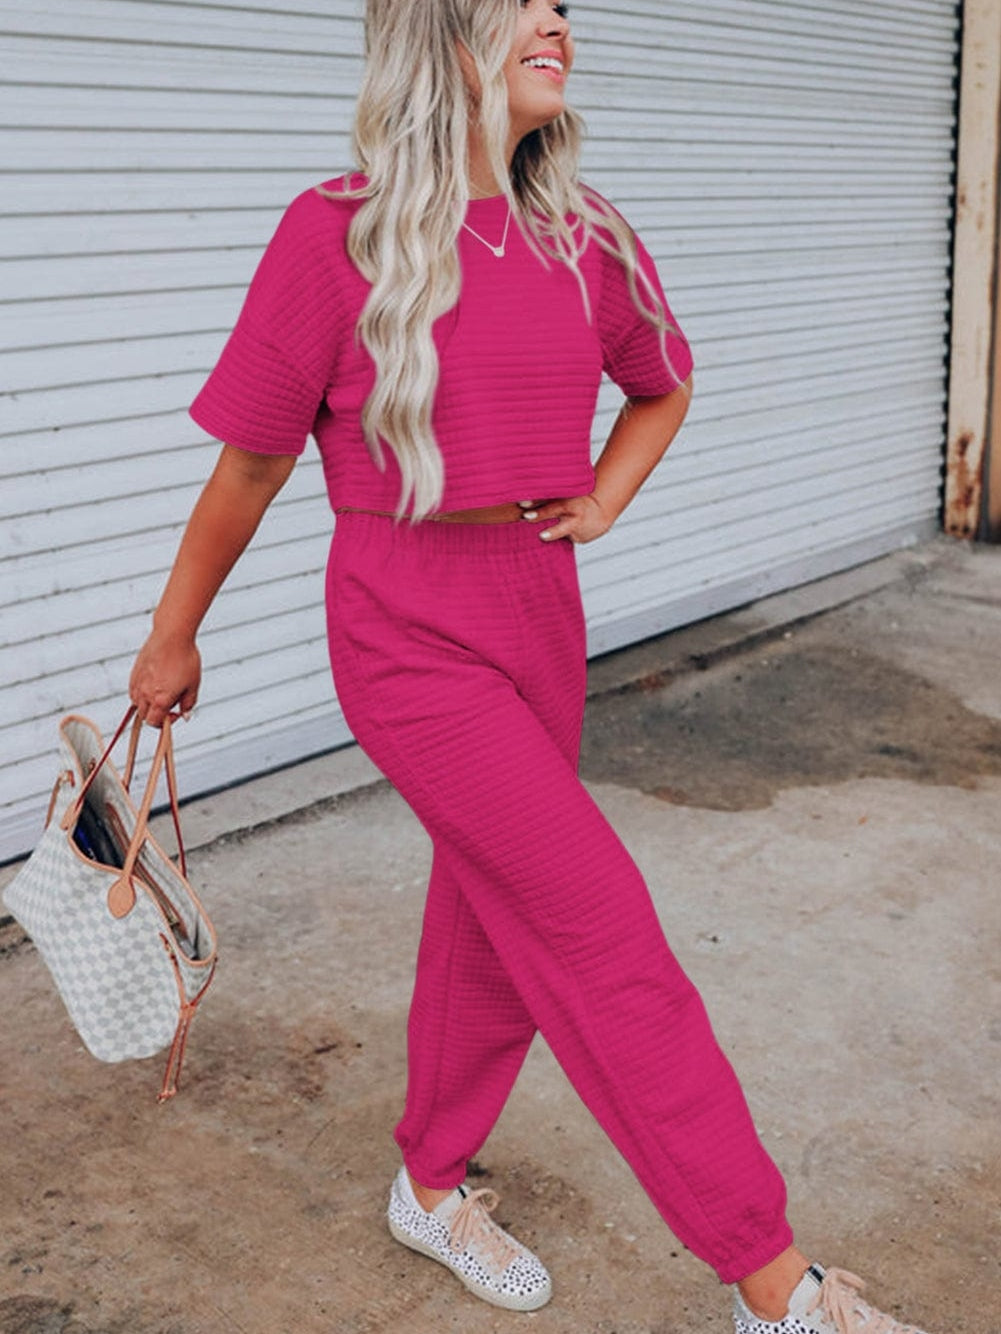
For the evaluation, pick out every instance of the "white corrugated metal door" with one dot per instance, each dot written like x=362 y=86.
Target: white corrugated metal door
x=788 y=164
x=152 y=150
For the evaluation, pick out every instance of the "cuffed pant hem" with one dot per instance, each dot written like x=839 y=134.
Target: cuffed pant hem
x=432 y=1180
x=751 y=1261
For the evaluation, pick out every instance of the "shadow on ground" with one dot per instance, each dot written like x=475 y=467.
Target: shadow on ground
x=731 y=738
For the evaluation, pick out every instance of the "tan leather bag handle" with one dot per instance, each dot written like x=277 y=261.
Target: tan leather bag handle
x=168 y=762
x=122 y=894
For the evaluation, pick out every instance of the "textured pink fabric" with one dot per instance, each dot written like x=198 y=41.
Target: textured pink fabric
x=458 y=653
x=459 y=657
x=520 y=362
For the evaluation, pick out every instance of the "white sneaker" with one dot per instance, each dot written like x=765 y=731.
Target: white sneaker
x=461 y=1235
x=823 y=1303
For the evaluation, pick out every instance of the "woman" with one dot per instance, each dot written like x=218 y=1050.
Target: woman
x=440 y=322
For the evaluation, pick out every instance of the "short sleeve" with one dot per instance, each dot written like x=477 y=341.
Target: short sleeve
x=632 y=349
x=267 y=386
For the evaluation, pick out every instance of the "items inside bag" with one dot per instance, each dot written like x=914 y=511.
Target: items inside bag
x=101 y=836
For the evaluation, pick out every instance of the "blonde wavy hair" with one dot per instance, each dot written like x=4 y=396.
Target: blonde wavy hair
x=410 y=140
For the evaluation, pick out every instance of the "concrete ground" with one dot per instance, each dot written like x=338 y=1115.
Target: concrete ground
x=811 y=786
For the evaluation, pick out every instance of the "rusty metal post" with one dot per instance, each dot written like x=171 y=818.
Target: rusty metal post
x=992 y=518
x=975 y=268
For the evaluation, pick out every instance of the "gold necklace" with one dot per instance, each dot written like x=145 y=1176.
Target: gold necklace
x=498 y=250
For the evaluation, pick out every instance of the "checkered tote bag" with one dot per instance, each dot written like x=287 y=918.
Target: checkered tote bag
x=129 y=946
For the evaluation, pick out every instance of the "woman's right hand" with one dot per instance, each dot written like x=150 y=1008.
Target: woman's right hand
x=167 y=673
x=168 y=670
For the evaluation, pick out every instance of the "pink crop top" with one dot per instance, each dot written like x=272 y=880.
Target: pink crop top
x=520 y=363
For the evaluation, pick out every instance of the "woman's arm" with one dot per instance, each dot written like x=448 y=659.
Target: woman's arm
x=642 y=433
x=167 y=670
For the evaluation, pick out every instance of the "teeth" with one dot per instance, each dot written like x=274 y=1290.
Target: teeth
x=544 y=62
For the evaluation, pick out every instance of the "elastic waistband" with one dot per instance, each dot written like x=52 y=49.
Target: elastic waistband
x=507 y=513
x=455 y=538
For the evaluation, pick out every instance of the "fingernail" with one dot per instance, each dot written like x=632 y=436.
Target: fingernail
x=530 y=514
x=547 y=535
x=526 y=504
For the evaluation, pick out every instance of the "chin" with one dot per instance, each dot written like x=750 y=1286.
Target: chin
x=529 y=124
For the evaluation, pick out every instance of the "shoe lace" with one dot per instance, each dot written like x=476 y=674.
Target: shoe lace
x=471 y=1222
x=839 y=1301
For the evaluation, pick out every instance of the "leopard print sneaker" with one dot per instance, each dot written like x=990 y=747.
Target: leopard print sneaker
x=461 y=1235
x=825 y=1302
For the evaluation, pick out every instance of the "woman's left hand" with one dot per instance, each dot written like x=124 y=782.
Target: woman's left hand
x=581 y=518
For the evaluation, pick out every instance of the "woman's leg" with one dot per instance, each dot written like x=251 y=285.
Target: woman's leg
x=435 y=647
x=467 y=1038
x=469 y=1030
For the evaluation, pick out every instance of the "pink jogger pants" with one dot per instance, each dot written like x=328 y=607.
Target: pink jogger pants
x=459 y=659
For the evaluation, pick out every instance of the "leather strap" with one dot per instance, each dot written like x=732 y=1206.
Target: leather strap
x=122 y=894
x=130 y=762
x=75 y=807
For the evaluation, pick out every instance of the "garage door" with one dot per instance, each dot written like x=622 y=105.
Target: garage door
x=790 y=165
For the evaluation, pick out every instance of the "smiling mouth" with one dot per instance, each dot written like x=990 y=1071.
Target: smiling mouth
x=548 y=64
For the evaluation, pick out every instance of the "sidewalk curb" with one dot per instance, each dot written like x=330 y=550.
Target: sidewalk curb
x=695 y=648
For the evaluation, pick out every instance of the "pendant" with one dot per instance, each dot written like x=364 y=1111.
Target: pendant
x=498 y=251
